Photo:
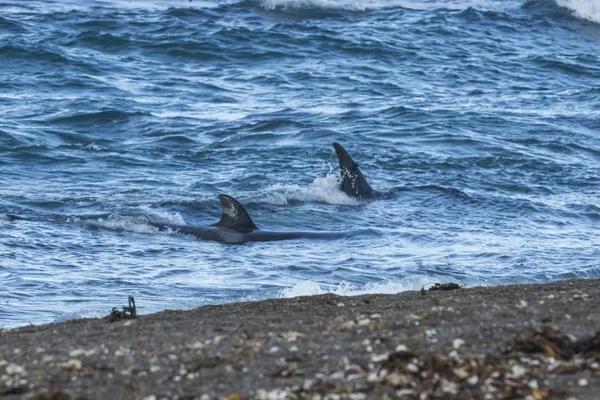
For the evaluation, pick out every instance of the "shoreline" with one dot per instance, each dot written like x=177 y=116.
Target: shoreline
x=536 y=340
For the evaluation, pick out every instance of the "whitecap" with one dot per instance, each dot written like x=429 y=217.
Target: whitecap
x=322 y=189
x=584 y=9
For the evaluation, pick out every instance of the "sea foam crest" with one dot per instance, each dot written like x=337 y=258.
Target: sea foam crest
x=585 y=9
x=139 y=224
x=322 y=189
x=311 y=288
x=316 y=5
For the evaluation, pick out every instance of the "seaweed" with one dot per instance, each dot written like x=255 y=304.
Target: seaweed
x=129 y=312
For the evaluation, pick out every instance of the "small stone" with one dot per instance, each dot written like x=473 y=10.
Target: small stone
x=357 y=396
x=521 y=304
x=379 y=357
x=293 y=348
x=533 y=384
x=396 y=379
x=292 y=336
x=274 y=349
x=364 y=322
x=458 y=343
x=401 y=348
x=72 y=365
x=81 y=352
x=375 y=316
x=340 y=304
x=582 y=382
x=348 y=325
x=518 y=371
x=473 y=380
x=449 y=387
x=151 y=397
x=14 y=369
x=154 y=368
x=461 y=373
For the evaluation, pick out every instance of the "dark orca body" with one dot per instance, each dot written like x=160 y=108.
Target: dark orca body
x=353 y=182
x=236 y=226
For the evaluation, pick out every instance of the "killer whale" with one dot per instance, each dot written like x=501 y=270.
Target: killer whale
x=353 y=182
x=236 y=226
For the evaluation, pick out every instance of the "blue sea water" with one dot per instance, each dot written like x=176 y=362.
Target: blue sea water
x=477 y=120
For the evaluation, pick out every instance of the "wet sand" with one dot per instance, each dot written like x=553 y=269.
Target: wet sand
x=510 y=342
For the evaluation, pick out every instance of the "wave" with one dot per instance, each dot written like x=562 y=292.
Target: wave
x=362 y=5
x=311 y=288
x=287 y=5
x=10 y=25
x=584 y=9
x=137 y=223
x=100 y=117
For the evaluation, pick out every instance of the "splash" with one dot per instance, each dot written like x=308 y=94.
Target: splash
x=310 y=288
x=585 y=9
x=368 y=5
x=140 y=223
x=287 y=5
x=322 y=189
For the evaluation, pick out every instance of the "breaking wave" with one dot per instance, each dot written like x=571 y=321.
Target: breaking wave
x=584 y=9
x=322 y=189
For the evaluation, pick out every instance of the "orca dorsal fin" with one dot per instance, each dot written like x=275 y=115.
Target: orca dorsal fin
x=353 y=183
x=346 y=162
x=234 y=215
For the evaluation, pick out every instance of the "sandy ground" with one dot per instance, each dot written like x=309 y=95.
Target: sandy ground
x=511 y=342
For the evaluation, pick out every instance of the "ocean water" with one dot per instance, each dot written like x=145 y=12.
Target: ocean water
x=478 y=121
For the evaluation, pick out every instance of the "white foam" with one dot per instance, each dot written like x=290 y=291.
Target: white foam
x=322 y=189
x=139 y=224
x=367 y=5
x=287 y=5
x=70 y=316
x=128 y=224
x=586 y=9
x=164 y=217
x=311 y=288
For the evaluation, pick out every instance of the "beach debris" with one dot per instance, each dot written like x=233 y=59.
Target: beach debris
x=129 y=312
x=438 y=286
x=548 y=341
x=444 y=286
x=51 y=395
